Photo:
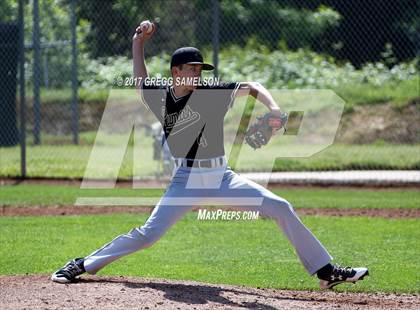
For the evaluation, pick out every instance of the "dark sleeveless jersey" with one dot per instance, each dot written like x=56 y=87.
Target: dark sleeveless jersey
x=192 y=124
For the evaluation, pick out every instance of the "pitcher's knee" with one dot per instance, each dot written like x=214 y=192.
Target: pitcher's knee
x=279 y=206
x=148 y=236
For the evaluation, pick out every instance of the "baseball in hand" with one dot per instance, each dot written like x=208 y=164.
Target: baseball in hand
x=146 y=26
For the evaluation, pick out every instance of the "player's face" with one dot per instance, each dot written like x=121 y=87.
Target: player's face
x=192 y=70
x=189 y=71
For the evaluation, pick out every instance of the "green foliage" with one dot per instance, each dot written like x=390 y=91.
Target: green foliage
x=102 y=73
x=274 y=23
x=270 y=21
x=55 y=38
x=105 y=27
x=275 y=70
x=249 y=29
x=8 y=10
x=113 y=24
x=373 y=83
x=304 y=68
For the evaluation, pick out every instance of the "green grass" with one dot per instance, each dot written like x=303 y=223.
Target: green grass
x=399 y=93
x=351 y=198
x=300 y=197
x=334 y=157
x=44 y=195
x=252 y=253
x=71 y=160
x=64 y=95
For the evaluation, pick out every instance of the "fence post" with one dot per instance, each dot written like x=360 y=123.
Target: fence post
x=74 y=86
x=22 y=90
x=417 y=43
x=37 y=73
x=216 y=36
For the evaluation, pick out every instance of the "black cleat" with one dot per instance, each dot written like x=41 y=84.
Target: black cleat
x=69 y=272
x=342 y=274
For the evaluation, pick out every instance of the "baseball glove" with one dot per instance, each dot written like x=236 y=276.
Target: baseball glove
x=260 y=133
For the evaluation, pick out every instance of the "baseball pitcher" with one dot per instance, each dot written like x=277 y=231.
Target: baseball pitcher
x=192 y=120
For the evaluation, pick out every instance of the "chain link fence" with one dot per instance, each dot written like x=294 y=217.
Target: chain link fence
x=58 y=75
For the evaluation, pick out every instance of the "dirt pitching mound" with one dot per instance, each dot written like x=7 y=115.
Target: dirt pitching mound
x=19 y=292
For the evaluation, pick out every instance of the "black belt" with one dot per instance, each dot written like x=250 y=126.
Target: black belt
x=203 y=163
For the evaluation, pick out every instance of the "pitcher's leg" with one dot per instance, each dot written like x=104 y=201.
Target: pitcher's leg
x=161 y=219
x=310 y=251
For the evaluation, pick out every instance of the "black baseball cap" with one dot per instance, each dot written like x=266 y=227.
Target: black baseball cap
x=189 y=55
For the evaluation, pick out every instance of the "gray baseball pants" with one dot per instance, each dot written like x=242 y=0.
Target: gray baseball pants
x=191 y=187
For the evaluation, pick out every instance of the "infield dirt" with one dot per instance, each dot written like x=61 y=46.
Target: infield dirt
x=92 y=292
x=6 y=210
